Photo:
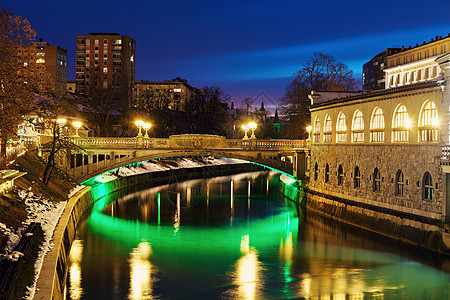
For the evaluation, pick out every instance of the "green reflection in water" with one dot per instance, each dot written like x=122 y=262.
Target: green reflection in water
x=261 y=257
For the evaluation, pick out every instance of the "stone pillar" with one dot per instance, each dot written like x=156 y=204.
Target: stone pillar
x=140 y=141
x=300 y=164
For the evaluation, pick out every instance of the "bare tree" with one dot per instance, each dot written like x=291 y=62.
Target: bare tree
x=320 y=72
x=22 y=79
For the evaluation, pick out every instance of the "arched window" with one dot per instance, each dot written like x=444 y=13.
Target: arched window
x=317 y=130
x=401 y=124
x=357 y=178
x=327 y=172
x=427 y=186
x=327 y=129
x=399 y=183
x=377 y=125
x=341 y=128
x=376 y=180
x=316 y=171
x=358 y=127
x=428 y=122
x=340 y=175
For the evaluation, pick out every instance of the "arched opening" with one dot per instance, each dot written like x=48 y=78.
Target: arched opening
x=327 y=129
x=316 y=171
x=376 y=180
x=377 y=125
x=317 y=130
x=399 y=183
x=427 y=186
x=341 y=128
x=327 y=173
x=357 y=178
x=340 y=175
x=428 y=122
x=401 y=124
x=358 y=127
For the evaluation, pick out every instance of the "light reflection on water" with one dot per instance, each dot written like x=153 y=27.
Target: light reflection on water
x=226 y=242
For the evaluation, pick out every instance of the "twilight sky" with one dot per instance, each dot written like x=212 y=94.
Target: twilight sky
x=248 y=48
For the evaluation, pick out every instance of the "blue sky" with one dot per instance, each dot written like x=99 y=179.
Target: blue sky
x=248 y=48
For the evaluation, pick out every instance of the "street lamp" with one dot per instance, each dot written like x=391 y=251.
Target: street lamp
x=146 y=127
x=139 y=124
x=61 y=122
x=252 y=126
x=77 y=125
x=308 y=129
x=246 y=129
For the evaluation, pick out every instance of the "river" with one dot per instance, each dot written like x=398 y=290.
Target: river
x=233 y=237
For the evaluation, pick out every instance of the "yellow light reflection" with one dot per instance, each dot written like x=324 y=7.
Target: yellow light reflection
x=76 y=291
x=188 y=196
x=247 y=275
x=177 y=217
x=140 y=272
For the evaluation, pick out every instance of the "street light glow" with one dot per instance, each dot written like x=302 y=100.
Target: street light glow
x=77 y=125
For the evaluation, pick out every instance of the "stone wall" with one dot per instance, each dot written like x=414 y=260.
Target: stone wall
x=412 y=160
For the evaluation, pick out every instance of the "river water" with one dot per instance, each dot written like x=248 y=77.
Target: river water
x=234 y=238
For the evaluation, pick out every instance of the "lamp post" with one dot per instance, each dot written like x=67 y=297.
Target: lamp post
x=252 y=126
x=77 y=125
x=61 y=122
x=146 y=127
x=139 y=124
x=308 y=129
x=246 y=129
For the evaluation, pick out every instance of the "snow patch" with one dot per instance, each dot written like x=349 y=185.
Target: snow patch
x=75 y=190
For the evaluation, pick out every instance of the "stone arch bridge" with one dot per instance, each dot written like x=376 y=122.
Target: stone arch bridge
x=97 y=155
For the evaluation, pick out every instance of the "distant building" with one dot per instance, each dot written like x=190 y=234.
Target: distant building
x=416 y=64
x=175 y=94
x=106 y=61
x=373 y=74
x=55 y=60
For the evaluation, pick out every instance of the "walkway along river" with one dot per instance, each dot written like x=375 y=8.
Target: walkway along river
x=233 y=237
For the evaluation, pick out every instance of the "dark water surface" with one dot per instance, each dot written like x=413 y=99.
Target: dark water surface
x=233 y=238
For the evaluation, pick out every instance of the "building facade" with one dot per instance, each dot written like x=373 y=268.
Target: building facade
x=54 y=58
x=373 y=70
x=174 y=94
x=106 y=62
x=386 y=150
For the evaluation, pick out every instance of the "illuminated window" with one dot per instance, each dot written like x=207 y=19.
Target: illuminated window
x=399 y=183
x=377 y=125
x=340 y=174
x=177 y=90
x=327 y=128
x=358 y=127
x=327 y=173
x=357 y=178
x=341 y=128
x=400 y=128
x=428 y=124
x=376 y=180
x=317 y=130
x=427 y=187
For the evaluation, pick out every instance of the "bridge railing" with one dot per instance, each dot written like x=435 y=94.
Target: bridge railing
x=192 y=141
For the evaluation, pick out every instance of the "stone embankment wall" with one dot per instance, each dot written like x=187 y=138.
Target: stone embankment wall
x=51 y=282
x=409 y=216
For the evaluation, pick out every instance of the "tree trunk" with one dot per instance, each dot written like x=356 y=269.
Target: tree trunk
x=3 y=158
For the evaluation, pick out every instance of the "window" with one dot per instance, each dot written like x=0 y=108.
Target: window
x=327 y=129
x=316 y=171
x=317 y=130
x=341 y=128
x=399 y=183
x=327 y=173
x=427 y=188
x=429 y=122
x=357 y=178
x=340 y=175
x=376 y=180
x=377 y=125
x=400 y=130
x=358 y=127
